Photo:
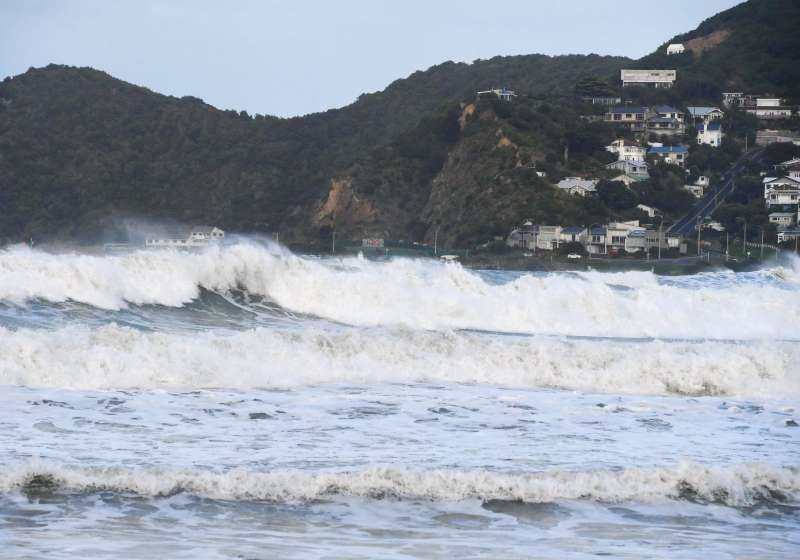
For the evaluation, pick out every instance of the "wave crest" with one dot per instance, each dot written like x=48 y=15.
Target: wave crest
x=114 y=357
x=738 y=485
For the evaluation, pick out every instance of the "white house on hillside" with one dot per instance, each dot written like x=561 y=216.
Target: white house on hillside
x=627 y=150
x=675 y=48
x=710 y=133
x=781 y=191
x=648 y=78
x=502 y=94
x=698 y=188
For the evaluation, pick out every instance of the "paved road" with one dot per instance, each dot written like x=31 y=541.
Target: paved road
x=716 y=196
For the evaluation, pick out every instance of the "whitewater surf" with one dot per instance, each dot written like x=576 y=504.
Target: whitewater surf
x=160 y=403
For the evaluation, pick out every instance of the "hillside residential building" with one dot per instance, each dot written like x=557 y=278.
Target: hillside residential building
x=573 y=234
x=788 y=234
x=710 y=133
x=183 y=238
x=732 y=98
x=648 y=78
x=790 y=168
x=705 y=114
x=676 y=48
x=608 y=100
x=782 y=192
x=523 y=237
x=615 y=238
x=666 y=120
x=698 y=188
x=766 y=137
x=649 y=210
x=782 y=218
x=769 y=108
x=634 y=118
x=675 y=155
x=502 y=94
x=577 y=186
x=634 y=169
x=627 y=179
x=627 y=150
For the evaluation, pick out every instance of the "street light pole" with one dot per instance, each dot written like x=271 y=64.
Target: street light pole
x=660 y=236
x=436 y=242
x=333 y=243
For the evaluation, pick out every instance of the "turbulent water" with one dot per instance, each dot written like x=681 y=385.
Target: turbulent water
x=246 y=402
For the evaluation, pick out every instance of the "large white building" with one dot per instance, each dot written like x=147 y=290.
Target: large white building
x=648 y=78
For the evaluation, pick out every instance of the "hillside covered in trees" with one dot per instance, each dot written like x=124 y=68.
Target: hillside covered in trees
x=81 y=151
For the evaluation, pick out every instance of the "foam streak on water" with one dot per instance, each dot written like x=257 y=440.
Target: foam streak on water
x=248 y=402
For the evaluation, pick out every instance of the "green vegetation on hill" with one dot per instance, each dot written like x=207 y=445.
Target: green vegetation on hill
x=79 y=150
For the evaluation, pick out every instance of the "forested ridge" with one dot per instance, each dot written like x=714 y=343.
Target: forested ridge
x=81 y=151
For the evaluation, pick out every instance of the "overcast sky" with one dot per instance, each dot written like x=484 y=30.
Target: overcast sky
x=299 y=56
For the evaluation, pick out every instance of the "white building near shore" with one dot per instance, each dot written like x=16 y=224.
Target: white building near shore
x=184 y=238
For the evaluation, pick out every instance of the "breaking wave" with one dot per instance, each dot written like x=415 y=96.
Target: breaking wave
x=417 y=294
x=112 y=357
x=738 y=485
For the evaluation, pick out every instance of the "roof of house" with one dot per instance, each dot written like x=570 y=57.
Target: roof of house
x=710 y=126
x=781 y=180
x=627 y=109
x=598 y=231
x=637 y=233
x=669 y=150
x=573 y=182
x=573 y=229
x=703 y=111
x=663 y=120
x=789 y=163
x=667 y=109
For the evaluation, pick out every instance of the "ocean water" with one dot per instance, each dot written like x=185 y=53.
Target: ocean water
x=246 y=402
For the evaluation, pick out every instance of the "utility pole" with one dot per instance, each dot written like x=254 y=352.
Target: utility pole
x=660 y=236
x=436 y=242
x=744 y=248
x=796 y=237
x=762 y=244
x=333 y=243
x=698 y=237
x=727 y=245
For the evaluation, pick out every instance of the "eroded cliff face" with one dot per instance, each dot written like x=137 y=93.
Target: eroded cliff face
x=344 y=208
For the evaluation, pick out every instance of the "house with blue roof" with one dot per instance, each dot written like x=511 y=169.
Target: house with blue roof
x=666 y=120
x=676 y=155
x=710 y=133
x=705 y=114
x=634 y=118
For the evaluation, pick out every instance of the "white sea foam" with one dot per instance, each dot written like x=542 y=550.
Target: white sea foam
x=414 y=293
x=737 y=485
x=121 y=357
